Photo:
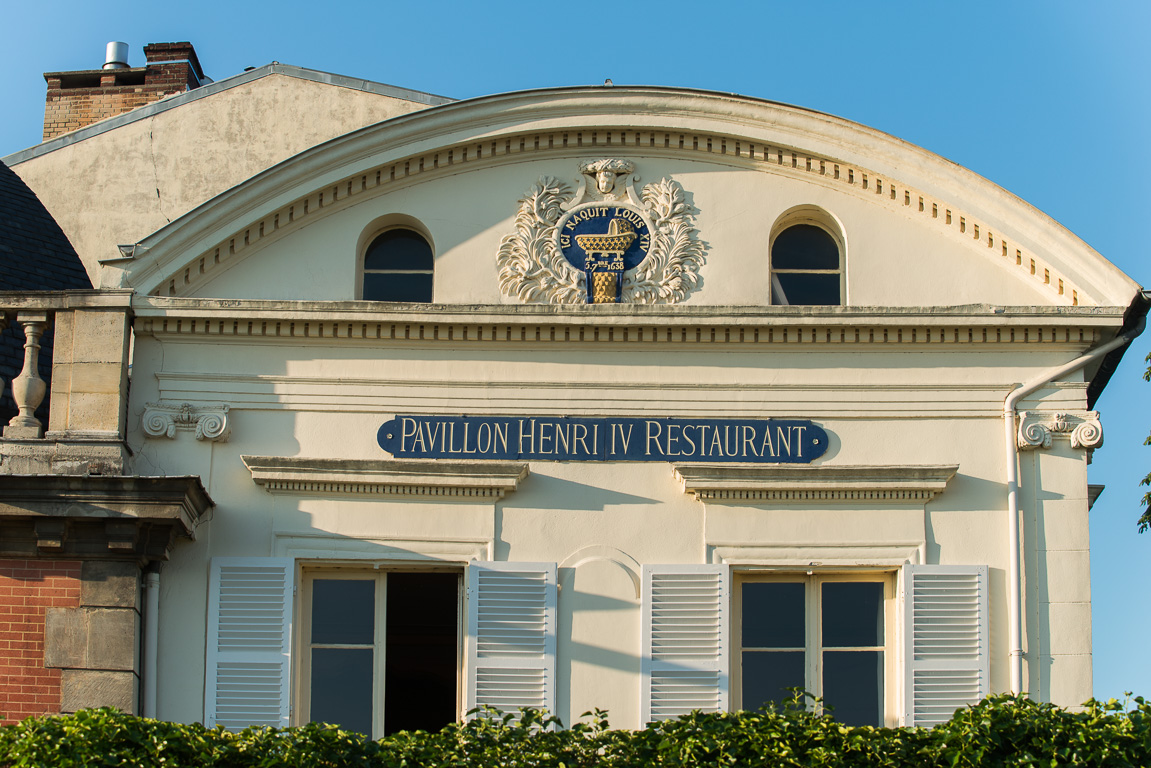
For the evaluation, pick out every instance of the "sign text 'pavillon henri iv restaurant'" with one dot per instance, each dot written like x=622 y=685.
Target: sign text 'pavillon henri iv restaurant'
x=602 y=439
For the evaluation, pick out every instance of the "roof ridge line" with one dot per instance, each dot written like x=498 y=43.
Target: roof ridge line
x=212 y=88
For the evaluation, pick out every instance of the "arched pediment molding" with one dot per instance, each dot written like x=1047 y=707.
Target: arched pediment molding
x=717 y=128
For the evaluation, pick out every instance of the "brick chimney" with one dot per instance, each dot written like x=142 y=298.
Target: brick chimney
x=77 y=99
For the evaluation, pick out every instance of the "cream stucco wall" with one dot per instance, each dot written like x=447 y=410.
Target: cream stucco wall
x=123 y=184
x=938 y=405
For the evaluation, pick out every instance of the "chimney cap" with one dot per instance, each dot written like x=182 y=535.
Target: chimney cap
x=116 y=56
x=179 y=51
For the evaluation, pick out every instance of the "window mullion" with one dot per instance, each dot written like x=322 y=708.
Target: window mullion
x=814 y=655
x=379 y=656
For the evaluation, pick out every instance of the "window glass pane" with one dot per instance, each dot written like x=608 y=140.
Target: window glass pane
x=342 y=688
x=768 y=674
x=773 y=615
x=398 y=249
x=391 y=286
x=343 y=611
x=853 y=686
x=422 y=647
x=852 y=614
x=804 y=246
x=810 y=289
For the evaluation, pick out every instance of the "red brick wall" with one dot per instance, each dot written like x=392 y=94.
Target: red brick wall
x=27 y=589
x=77 y=99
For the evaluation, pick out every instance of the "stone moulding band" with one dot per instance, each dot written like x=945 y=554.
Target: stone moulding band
x=760 y=556
x=355 y=323
x=710 y=482
x=438 y=479
x=118 y=517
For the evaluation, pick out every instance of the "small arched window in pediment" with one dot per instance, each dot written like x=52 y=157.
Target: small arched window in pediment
x=806 y=267
x=398 y=266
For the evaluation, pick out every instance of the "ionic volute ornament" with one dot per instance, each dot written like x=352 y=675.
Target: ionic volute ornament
x=208 y=421
x=1039 y=429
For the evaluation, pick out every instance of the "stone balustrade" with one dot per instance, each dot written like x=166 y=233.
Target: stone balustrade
x=89 y=382
x=68 y=500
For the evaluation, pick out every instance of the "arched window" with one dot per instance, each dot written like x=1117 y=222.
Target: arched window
x=806 y=266
x=398 y=266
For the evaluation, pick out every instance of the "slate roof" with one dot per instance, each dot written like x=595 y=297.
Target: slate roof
x=35 y=255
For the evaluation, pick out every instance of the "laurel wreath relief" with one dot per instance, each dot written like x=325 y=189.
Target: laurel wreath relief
x=533 y=270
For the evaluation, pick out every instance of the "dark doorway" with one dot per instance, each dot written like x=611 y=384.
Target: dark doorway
x=422 y=647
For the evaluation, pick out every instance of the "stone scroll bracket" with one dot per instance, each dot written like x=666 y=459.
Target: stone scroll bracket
x=1039 y=429
x=209 y=421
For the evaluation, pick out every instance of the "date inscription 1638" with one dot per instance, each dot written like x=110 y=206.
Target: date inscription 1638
x=604 y=241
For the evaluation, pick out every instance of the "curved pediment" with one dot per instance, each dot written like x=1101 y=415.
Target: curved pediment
x=916 y=229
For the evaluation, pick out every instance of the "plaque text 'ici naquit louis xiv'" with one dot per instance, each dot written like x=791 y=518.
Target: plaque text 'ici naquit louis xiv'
x=602 y=439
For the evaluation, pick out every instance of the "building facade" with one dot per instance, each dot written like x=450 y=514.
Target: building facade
x=640 y=399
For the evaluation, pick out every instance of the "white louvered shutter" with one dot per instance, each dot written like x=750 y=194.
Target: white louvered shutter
x=248 y=675
x=947 y=663
x=686 y=654
x=511 y=636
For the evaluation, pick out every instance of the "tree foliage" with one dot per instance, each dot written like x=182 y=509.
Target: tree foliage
x=999 y=731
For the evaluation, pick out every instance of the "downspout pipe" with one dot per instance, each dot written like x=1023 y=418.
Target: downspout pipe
x=1014 y=577
x=151 y=638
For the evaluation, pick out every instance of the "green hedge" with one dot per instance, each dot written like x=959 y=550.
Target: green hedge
x=999 y=731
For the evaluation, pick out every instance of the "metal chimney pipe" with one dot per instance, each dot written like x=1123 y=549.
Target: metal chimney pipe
x=116 y=56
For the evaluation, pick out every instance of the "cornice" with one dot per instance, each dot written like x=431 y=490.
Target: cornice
x=758 y=483
x=353 y=322
x=98 y=516
x=179 y=497
x=383 y=477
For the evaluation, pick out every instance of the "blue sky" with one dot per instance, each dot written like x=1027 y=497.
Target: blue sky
x=1048 y=99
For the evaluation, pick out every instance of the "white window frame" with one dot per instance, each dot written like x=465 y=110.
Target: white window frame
x=817 y=217
x=366 y=572
x=364 y=271
x=813 y=615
